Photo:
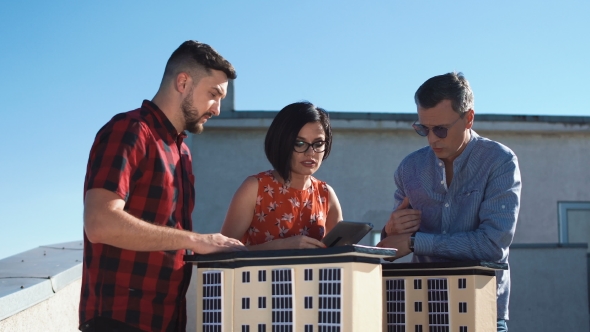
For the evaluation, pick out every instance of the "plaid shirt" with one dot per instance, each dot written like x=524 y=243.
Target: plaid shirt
x=140 y=156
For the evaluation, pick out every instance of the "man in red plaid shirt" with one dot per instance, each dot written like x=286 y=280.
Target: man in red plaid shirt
x=138 y=200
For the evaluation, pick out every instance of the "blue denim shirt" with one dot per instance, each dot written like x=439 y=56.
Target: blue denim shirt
x=474 y=218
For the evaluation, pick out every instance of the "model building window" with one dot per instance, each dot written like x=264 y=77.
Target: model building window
x=245 y=303
x=212 y=301
x=262 y=275
x=417 y=328
x=462 y=328
x=308 y=274
x=462 y=283
x=329 y=308
x=396 y=308
x=246 y=276
x=245 y=328
x=308 y=328
x=438 y=304
x=417 y=283
x=282 y=300
x=261 y=327
x=418 y=306
x=262 y=302
x=308 y=302
x=462 y=306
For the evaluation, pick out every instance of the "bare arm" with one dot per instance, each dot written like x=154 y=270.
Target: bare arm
x=239 y=216
x=241 y=209
x=105 y=221
x=334 y=210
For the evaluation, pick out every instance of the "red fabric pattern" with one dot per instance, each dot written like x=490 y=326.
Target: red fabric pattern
x=282 y=211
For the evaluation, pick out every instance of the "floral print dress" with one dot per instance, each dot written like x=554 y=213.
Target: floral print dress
x=282 y=211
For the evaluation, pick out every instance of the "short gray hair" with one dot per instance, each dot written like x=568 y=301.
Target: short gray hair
x=452 y=86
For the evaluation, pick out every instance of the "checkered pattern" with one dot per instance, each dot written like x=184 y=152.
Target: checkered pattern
x=140 y=156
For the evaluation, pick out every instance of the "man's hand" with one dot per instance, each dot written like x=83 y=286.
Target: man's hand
x=212 y=243
x=401 y=242
x=403 y=220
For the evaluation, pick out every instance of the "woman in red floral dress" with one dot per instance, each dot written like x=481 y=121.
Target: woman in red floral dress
x=286 y=207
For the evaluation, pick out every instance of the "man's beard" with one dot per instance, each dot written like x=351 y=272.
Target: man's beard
x=191 y=120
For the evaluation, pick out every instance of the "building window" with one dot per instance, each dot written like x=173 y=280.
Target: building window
x=418 y=306
x=308 y=328
x=462 y=306
x=262 y=302
x=329 y=307
x=261 y=327
x=395 y=291
x=245 y=328
x=308 y=302
x=282 y=300
x=245 y=276
x=262 y=275
x=462 y=328
x=245 y=303
x=308 y=274
x=417 y=328
x=462 y=283
x=417 y=283
x=438 y=304
x=212 y=301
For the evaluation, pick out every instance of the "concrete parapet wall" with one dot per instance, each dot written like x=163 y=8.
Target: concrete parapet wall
x=58 y=313
x=40 y=289
x=549 y=288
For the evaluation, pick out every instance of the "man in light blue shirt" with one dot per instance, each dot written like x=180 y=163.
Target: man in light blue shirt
x=458 y=198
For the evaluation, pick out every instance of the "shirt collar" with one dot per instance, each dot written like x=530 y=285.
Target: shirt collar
x=163 y=126
x=464 y=155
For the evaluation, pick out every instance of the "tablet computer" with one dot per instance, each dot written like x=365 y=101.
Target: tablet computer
x=347 y=233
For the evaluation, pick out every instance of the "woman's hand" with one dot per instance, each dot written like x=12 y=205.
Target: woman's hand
x=298 y=242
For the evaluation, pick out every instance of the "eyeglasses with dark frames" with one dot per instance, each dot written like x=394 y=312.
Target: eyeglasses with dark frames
x=438 y=131
x=302 y=146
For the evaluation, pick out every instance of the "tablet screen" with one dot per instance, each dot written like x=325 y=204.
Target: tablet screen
x=347 y=233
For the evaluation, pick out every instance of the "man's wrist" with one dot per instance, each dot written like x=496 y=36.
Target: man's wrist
x=411 y=243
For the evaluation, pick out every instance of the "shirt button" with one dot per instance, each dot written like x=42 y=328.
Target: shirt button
x=446 y=204
x=444 y=232
x=503 y=206
x=442 y=182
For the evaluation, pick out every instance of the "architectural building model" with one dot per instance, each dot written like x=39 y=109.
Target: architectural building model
x=340 y=289
x=440 y=297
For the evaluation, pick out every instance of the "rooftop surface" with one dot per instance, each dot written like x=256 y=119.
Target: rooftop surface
x=37 y=274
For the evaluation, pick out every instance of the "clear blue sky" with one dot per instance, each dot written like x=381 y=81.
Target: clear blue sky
x=66 y=67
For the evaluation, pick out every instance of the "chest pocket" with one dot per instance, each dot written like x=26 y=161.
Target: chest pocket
x=467 y=196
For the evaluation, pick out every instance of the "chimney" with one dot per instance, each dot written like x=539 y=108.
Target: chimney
x=227 y=104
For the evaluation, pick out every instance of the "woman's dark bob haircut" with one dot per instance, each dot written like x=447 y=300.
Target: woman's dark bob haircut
x=284 y=129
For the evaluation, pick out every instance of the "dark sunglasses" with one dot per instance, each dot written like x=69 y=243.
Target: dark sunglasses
x=438 y=131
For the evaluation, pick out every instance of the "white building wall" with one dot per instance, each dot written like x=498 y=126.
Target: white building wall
x=554 y=160
x=59 y=313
